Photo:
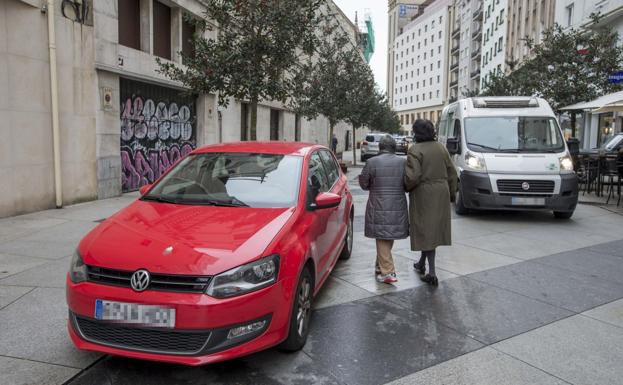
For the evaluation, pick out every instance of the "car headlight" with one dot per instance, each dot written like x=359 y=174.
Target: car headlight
x=566 y=164
x=246 y=278
x=77 y=269
x=475 y=162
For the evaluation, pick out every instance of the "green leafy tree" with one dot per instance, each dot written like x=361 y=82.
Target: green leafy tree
x=362 y=99
x=384 y=119
x=253 y=55
x=567 y=67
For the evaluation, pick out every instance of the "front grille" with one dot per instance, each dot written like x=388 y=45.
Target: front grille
x=136 y=338
x=161 y=282
x=536 y=186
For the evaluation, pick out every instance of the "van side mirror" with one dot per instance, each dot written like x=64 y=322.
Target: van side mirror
x=453 y=145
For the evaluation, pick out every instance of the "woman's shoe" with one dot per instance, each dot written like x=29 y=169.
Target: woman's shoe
x=430 y=279
x=421 y=269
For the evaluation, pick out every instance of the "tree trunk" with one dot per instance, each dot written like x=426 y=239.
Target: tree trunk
x=253 y=123
x=573 y=124
x=330 y=142
x=354 y=146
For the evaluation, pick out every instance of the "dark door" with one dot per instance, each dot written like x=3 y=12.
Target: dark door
x=274 y=124
x=157 y=129
x=244 y=122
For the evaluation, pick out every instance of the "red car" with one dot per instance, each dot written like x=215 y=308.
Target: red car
x=220 y=258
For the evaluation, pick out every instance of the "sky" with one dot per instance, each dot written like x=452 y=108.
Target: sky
x=378 y=10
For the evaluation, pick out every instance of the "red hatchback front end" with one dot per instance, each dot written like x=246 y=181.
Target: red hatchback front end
x=206 y=266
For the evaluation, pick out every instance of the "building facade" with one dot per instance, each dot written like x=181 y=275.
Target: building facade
x=420 y=72
x=526 y=19
x=121 y=122
x=494 y=33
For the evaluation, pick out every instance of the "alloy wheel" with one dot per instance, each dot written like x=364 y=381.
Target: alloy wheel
x=304 y=307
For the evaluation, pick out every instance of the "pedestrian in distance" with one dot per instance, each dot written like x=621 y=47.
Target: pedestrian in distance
x=386 y=211
x=334 y=144
x=431 y=180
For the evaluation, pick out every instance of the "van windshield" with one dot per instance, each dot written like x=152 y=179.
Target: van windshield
x=513 y=134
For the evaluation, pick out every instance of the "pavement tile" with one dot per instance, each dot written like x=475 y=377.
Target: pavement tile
x=561 y=288
x=475 y=309
x=9 y=294
x=35 y=327
x=482 y=367
x=596 y=265
x=574 y=238
x=266 y=368
x=13 y=264
x=336 y=291
x=612 y=248
x=71 y=232
x=51 y=274
x=579 y=350
x=611 y=313
x=517 y=247
x=22 y=372
x=373 y=341
x=39 y=249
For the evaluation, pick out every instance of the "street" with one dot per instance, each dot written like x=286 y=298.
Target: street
x=523 y=299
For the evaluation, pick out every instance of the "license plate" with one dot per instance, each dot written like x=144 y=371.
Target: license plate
x=517 y=201
x=132 y=313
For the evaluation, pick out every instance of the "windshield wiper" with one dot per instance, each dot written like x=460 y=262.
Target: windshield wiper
x=159 y=199
x=233 y=202
x=492 y=148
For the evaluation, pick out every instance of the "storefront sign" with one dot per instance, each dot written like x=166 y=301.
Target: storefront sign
x=616 y=78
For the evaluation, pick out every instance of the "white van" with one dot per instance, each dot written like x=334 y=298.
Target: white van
x=510 y=154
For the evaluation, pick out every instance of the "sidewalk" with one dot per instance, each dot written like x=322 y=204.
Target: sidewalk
x=523 y=299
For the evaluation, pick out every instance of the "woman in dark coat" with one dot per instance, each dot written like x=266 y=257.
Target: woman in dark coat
x=386 y=211
x=431 y=180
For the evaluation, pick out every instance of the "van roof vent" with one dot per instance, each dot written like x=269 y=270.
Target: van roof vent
x=504 y=103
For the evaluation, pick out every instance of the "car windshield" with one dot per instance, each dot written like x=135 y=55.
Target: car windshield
x=614 y=142
x=231 y=179
x=513 y=134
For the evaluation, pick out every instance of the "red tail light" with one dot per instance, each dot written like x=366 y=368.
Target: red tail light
x=364 y=143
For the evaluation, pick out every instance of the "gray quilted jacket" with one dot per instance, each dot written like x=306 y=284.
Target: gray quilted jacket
x=387 y=215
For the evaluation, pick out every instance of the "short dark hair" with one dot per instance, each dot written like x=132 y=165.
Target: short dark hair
x=387 y=143
x=424 y=131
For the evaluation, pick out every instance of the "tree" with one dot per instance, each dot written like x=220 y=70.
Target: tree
x=567 y=67
x=384 y=119
x=254 y=53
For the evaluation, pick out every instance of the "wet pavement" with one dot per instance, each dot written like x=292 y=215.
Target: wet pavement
x=523 y=299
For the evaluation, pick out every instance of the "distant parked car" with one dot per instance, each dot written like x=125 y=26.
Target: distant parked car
x=401 y=144
x=370 y=146
x=220 y=258
x=611 y=147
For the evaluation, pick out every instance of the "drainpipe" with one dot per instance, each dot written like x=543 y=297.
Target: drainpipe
x=54 y=94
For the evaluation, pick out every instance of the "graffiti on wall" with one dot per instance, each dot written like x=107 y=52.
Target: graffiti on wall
x=155 y=134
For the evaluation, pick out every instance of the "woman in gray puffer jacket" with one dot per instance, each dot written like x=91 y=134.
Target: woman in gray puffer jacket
x=387 y=216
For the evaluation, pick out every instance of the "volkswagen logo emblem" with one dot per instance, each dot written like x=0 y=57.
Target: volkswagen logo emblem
x=525 y=186
x=140 y=280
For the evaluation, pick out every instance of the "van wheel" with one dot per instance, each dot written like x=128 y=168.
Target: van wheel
x=459 y=207
x=301 y=313
x=563 y=214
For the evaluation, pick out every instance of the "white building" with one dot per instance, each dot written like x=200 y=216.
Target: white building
x=493 y=38
x=576 y=13
x=420 y=73
x=468 y=18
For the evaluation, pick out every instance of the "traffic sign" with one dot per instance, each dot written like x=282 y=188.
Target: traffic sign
x=616 y=78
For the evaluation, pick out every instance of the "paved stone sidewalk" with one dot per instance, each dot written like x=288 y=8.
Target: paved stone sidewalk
x=523 y=299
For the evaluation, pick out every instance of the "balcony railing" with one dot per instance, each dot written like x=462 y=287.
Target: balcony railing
x=454 y=65
x=477 y=15
x=476 y=52
x=477 y=32
x=454 y=82
x=475 y=73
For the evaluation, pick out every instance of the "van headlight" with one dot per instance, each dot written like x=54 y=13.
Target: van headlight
x=566 y=164
x=246 y=278
x=475 y=162
x=77 y=269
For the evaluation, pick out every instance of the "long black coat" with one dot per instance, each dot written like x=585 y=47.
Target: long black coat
x=386 y=212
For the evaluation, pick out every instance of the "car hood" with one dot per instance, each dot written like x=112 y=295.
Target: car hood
x=527 y=163
x=205 y=240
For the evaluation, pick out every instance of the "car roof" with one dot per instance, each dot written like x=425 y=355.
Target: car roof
x=261 y=147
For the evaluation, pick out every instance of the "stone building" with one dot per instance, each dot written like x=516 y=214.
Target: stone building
x=120 y=122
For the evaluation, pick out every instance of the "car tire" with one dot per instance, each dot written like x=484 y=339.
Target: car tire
x=301 y=307
x=348 y=241
x=459 y=206
x=563 y=214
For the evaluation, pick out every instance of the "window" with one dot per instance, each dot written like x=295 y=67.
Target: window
x=500 y=44
x=501 y=16
x=423 y=97
x=430 y=94
x=418 y=45
x=417 y=98
x=440 y=34
x=425 y=42
x=419 y=32
x=432 y=38
x=129 y=26
x=438 y=78
x=333 y=172
x=569 y=10
x=437 y=93
x=411 y=86
x=440 y=19
x=432 y=24
x=162 y=30
x=317 y=180
x=432 y=51
x=431 y=66
x=424 y=55
x=439 y=49
x=438 y=63
x=411 y=102
x=188 y=34
x=425 y=28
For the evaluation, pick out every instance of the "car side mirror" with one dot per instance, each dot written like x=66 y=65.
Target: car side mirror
x=143 y=190
x=453 y=145
x=326 y=200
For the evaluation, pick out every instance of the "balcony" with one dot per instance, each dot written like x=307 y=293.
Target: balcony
x=475 y=73
x=454 y=82
x=477 y=15
x=476 y=52
x=456 y=29
x=455 y=45
x=454 y=65
x=477 y=32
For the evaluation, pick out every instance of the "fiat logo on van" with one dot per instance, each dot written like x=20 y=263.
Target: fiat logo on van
x=525 y=186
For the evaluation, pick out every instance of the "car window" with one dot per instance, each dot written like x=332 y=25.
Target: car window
x=317 y=180
x=370 y=138
x=333 y=172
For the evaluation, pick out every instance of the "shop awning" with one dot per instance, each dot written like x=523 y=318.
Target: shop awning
x=610 y=107
x=616 y=97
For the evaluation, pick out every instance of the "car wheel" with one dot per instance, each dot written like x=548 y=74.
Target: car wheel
x=459 y=206
x=348 y=240
x=301 y=313
x=563 y=214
